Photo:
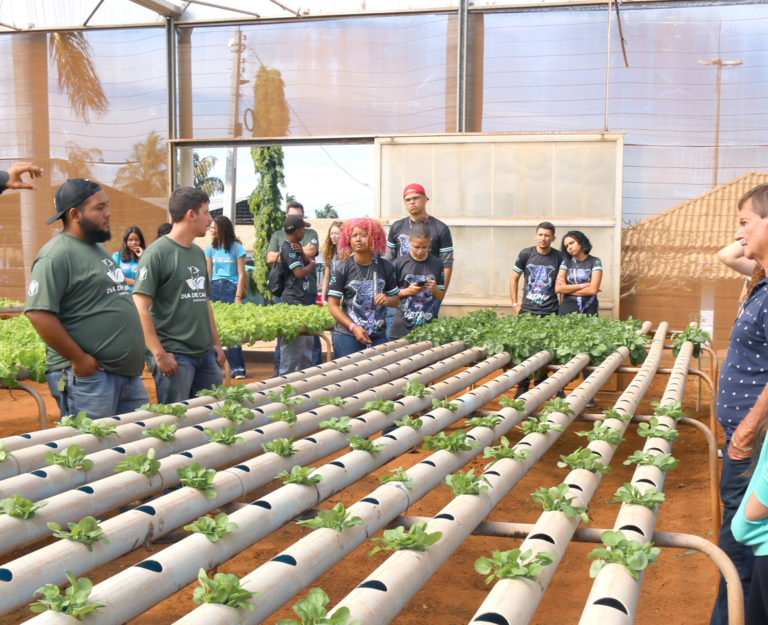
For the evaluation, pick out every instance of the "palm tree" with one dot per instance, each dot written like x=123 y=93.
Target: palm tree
x=326 y=212
x=145 y=175
x=76 y=73
x=201 y=167
x=78 y=161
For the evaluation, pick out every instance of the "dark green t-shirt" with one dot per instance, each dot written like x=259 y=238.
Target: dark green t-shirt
x=310 y=238
x=176 y=279
x=81 y=284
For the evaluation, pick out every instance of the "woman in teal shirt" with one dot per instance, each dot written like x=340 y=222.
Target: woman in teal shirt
x=128 y=256
x=225 y=257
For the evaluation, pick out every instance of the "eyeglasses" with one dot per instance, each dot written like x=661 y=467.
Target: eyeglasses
x=412 y=198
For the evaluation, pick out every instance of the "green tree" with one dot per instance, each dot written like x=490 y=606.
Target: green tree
x=201 y=169
x=146 y=174
x=289 y=197
x=327 y=212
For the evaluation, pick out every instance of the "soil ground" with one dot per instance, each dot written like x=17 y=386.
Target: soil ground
x=678 y=590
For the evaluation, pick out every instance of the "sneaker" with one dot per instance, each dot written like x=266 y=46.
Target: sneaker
x=239 y=376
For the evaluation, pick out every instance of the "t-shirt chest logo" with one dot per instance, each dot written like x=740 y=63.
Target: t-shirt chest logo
x=113 y=271
x=196 y=282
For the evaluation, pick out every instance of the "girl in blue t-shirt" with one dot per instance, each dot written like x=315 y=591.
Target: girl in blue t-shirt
x=128 y=256
x=225 y=258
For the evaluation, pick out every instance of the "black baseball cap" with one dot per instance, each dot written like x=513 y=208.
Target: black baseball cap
x=72 y=193
x=293 y=222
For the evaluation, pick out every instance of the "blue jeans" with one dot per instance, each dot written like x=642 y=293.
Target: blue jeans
x=317 y=349
x=295 y=355
x=732 y=488
x=346 y=344
x=99 y=395
x=192 y=375
x=225 y=291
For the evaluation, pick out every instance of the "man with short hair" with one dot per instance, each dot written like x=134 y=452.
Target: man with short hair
x=172 y=293
x=80 y=305
x=310 y=246
x=742 y=398
x=398 y=240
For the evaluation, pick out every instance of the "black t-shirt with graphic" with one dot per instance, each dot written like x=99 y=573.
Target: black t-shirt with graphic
x=357 y=286
x=441 y=245
x=295 y=288
x=414 y=310
x=579 y=272
x=539 y=274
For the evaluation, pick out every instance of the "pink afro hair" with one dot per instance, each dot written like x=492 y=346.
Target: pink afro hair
x=377 y=240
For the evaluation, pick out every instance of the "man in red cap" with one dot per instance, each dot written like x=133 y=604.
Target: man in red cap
x=398 y=240
x=81 y=306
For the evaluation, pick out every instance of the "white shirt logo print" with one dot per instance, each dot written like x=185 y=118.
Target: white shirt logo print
x=33 y=287
x=196 y=282
x=114 y=272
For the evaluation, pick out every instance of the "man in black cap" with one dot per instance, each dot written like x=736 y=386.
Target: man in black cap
x=80 y=305
x=298 y=266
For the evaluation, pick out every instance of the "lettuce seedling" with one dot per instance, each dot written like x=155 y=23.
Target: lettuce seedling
x=223 y=589
x=466 y=483
x=652 y=429
x=414 y=388
x=337 y=519
x=233 y=411
x=583 y=459
x=556 y=404
x=87 y=426
x=212 y=529
x=72 y=458
x=631 y=494
x=311 y=611
x=515 y=404
x=299 y=475
x=504 y=450
x=74 y=602
x=364 y=444
x=695 y=335
x=86 y=532
x=199 y=478
x=556 y=498
x=340 y=424
x=337 y=401
x=398 y=475
x=453 y=442
x=236 y=393
x=281 y=446
x=663 y=462
x=672 y=409
x=633 y=556
x=174 y=410
x=408 y=421
x=140 y=463
x=20 y=508
x=380 y=405
x=489 y=421
x=225 y=436
x=4 y=453
x=536 y=425
x=444 y=403
x=289 y=416
x=163 y=432
x=612 y=413
x=416 y=539
x=602 y=432
x=513 y=563
x=286 y=397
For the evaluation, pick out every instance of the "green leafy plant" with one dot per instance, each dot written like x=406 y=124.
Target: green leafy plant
x=583 y=459
x=340 y=424
x=140 y=463
x=695 y=335
x=466 y=483
x=74 y=602
x=408 y=421
x=513 y=563
x=416 y=539
x=663 y=462
x=199 y=478
x=288 y=416
x=631 y=494
x=20 y=508
x=378 y=404
x=515 y=404
x=234 y=412
x=311 y=611
x=223 y=589
x=22 y=352
x=672 y=409
x=72 y=458
x=612 y=413
x=247 y=323
x=556 y=404
x=633 y=556
x=86 y=531
x=225 y=436
x=299 y=475
x=337 y=519
x=489 y=421
x=652 y=430
x=444 y=403
x=337 y=401
x=364 y=444
x=504 y=450
x=175 y=410
x=398 y=475
x=556 y=498
x=286 y=397
x=535 y=424
x=4 y=453
x=164 y=432
x=87 y=426
x=281 y=446
x=602 y=432
x=212 y=528
x=414 y=388
x=237 y=393
x=453 y=442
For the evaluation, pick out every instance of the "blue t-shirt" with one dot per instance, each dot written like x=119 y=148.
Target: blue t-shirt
x=128 y=267
x=754 y=533
x=744 y=373
x=225 y=261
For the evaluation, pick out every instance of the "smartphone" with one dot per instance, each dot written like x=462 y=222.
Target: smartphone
x=421 y=283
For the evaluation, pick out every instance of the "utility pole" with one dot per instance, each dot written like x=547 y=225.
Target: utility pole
x=719 y=63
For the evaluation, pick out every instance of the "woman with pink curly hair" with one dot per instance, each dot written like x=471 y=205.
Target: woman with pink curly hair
x=361 y=288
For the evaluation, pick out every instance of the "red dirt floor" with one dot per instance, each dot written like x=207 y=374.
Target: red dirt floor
x=678 y=590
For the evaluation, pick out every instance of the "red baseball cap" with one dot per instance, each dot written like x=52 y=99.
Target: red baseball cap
x=414 y=187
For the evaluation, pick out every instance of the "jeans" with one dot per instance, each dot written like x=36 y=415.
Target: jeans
x=192 y=375
x=225 y=291
x=296 y=355
x=757 y=606
x=99 y=395
x=346 y=344
x=732 y=488
x=317 y=350
x=437 y=309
